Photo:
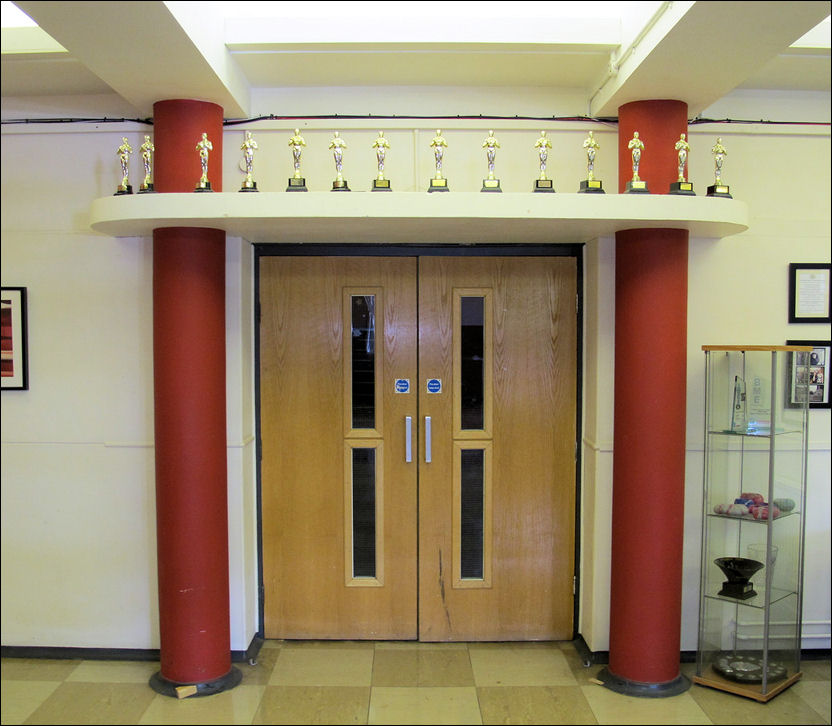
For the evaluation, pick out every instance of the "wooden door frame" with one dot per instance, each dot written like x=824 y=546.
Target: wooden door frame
x=435 y=250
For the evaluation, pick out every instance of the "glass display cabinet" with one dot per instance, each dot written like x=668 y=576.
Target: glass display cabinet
x=750 y=602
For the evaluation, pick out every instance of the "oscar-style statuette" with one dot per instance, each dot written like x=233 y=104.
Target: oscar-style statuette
x=338 y=145
x=636 y=185
x=297 y=183
x=438 y=183
x=123 y=154
x=204 y=147
x=248 y=148
x=381 y=145
x=543 y=183
x=591 y=185
x=147 y=149
x=718 y=189
x=681 y=185
x=491 y=183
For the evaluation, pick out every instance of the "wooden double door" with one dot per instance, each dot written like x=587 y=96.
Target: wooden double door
x=418 y=447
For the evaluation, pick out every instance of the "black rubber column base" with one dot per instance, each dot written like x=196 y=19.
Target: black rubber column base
x=643 y=690
x=170 y=688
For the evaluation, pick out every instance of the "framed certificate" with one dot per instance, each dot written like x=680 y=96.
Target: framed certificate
x=809 y=292
x=15 y=364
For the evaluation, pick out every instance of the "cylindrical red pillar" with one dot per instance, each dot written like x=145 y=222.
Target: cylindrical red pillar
x=190 y=417
x=177 y=129
x=651 y=280
x=659 y=125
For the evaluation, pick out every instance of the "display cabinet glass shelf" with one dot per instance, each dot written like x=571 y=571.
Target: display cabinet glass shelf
x=756 y=420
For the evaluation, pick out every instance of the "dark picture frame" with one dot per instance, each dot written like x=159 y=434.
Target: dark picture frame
x=809 y=300
x=14 y=372
x=817 y=373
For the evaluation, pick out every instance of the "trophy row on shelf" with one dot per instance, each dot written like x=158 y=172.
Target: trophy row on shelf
x=438 y=183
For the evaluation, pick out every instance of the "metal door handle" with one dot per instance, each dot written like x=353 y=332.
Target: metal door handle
x=427 y=440
x=408 y=439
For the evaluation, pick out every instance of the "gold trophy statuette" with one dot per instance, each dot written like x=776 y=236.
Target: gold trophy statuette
x=204 y=147
x=147 y=149
x=248 y=148
x=380 y=184
x=438 y=183
x=543 y=183
x=636 y=185
x=297 y=183
x=682 y=185
x=718 y=189
x=490 y=184
x=591 y=185
x=123 y=154
x=338 y=145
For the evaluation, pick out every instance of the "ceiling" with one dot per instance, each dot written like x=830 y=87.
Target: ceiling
x=612 y=53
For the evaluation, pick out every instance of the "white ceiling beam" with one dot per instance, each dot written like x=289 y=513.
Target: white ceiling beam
x=147 y=51
x=699 y=51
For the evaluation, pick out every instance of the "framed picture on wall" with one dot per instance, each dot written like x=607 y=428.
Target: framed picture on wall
x=14 y=368
x=816 y=373
x=809 y=292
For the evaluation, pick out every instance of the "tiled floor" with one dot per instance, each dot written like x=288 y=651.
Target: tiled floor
x=389 y=683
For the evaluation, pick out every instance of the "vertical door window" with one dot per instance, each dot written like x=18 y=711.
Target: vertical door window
x=472 y=529
x=362 y=362
x=363 y=520
x=472 y=363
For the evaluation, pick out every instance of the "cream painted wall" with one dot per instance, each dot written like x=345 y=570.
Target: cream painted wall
x=78 y=520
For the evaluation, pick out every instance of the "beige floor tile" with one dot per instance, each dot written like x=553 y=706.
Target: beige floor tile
x=328 y=645
x=816 y=670
x=534 y=705
x=36 y=669
x=102 y=671
x=323 y=667
x=416 y=645
x=424 y=706
x=313 y=705
x=817 y=695
x=727 y=708
x=428 y=667
x=260 y=673
x=236 y=706
x=610 y=707
x=94 y=703
x=18 y=699
x=270 y=644
x=520 y=665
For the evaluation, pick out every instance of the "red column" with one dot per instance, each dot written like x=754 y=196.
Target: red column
x=659 y=125
x=650 y=407
x=190 y=416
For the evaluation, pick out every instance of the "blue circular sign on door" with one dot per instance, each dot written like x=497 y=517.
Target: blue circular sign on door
x=402 y=385
x=434 y=385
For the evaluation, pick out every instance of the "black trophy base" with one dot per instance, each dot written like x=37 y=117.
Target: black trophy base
x=121 y=190
x=147 y=189
x=438 y=185
x=543 y=185
x=491 y=185
x=162 y=685
x=297 y=184
x=737 y=590
x=636 y=187
x=720 y=190
x=685 y=188
x=591 y=186
x=625 y=686
x=381 y=185
x=249 y=187
x=203 y=187
x=340 y=185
